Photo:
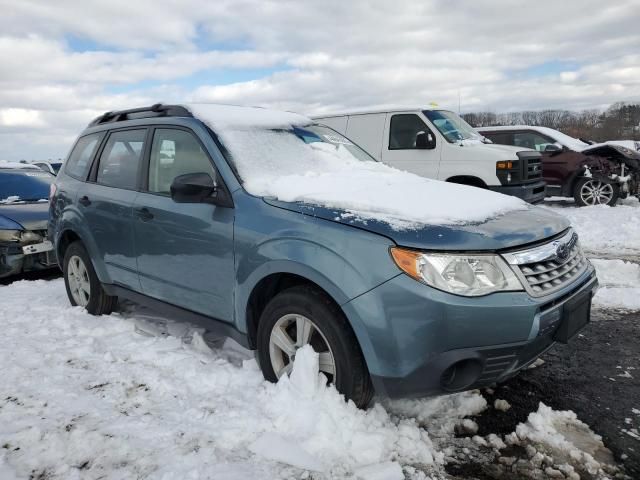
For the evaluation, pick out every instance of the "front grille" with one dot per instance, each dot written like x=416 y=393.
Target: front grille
x=547 y=276
x=544 y=270
x=533 y=168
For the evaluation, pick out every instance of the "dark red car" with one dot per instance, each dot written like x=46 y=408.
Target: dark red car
x=590 y=173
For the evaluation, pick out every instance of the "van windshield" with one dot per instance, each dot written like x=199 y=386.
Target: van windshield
x=451 y=126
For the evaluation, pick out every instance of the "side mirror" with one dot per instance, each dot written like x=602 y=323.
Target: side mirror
x=193 y=188
x=425 y=141
x=552 y=148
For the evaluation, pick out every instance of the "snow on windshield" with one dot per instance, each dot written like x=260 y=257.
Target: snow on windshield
x=569 y=142
x=275 y=160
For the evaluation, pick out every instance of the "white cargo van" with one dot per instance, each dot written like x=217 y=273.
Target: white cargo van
x=438 y=144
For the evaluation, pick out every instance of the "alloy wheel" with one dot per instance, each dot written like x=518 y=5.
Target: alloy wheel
x=595 y=192
x=78 y=278
x=292 y=332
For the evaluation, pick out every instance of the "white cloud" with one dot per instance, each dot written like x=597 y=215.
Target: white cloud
x=20 y=117
x=335 y=55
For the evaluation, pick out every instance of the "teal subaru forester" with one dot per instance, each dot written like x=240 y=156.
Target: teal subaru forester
x=158 y=205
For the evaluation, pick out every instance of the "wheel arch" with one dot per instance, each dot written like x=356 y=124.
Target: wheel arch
x=268 y=286
x=67 y=236
x=470 y=180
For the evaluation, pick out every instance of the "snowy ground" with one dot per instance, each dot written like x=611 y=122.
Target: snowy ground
x=134 y=395
x=611 y=239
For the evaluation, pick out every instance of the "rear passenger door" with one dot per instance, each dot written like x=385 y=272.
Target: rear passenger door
x=399 y=147
x=184 y=250
x=106 y=202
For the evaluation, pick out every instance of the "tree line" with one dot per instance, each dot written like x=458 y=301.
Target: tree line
x=621 y=121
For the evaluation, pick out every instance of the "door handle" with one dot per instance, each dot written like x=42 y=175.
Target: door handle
x=144 y=214
x=84 y=201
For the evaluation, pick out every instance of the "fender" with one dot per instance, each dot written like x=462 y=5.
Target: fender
x=339 y=277
x=71 y=222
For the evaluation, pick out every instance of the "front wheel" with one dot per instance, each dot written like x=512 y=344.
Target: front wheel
x=592 y=191
x=302 y=316
x=82 y=284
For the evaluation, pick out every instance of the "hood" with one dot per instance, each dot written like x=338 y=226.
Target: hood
x=478 y=145
x=32 y=216
x=475 y=149
x=630 y=144
x=509 y=230
x=615 y=152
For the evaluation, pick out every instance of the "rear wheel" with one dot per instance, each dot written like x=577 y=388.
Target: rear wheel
x=82 y=284
x=302 y=316
x=593 y=191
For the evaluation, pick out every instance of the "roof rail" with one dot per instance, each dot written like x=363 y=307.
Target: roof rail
x=157 y=110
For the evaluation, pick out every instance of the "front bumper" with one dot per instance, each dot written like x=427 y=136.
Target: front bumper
x=428 y=342
x=17 y=258
x=531 y=192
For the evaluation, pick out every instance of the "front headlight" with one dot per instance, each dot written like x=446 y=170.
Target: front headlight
x=468 y=275
x=10 y=235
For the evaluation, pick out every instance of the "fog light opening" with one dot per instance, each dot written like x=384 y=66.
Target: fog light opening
x=461 y=375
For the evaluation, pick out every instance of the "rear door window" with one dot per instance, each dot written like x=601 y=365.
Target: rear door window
x=82 y=154
x=120 y=159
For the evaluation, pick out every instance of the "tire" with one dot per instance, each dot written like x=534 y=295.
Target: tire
x=79 y=276
x=594 y=191
x=331 y=336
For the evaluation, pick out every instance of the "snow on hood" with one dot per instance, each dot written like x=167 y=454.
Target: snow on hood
x=18 y=165
x=274 y=162
x=618 y=146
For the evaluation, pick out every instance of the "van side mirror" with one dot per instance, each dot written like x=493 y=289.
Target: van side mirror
x=553 y=149
x=425 y=141
x=193 y=188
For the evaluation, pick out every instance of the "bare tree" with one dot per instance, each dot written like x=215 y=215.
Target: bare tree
x=620 y=121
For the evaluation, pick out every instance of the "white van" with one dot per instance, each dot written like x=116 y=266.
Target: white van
x=438 y=144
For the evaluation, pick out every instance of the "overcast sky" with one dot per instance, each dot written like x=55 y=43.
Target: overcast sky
x=63 y=62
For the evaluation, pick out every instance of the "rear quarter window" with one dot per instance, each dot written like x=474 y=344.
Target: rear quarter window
x=81 y=156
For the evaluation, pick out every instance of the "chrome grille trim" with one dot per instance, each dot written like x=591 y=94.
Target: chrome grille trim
x=542 y=271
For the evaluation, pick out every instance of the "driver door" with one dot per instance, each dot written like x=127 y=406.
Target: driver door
x=184 y=250
x=399 y=148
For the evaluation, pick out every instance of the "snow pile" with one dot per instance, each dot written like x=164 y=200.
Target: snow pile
x=85 y=396
x=501 y=405
x=607 y=230
x=325 y=430
x=571 y=444
x=620 y=284
x=441 y=415
x=278 y=164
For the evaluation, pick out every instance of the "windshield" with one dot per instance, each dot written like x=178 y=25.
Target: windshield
x=263 y=153
x=451 y=126
x=24 y=186
x=563 y=139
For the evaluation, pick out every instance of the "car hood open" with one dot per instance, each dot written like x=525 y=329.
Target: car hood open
x=32 y=216
x=615 y=152
x=505 y=231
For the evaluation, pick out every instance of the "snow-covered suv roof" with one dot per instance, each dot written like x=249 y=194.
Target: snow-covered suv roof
x=561 y=138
